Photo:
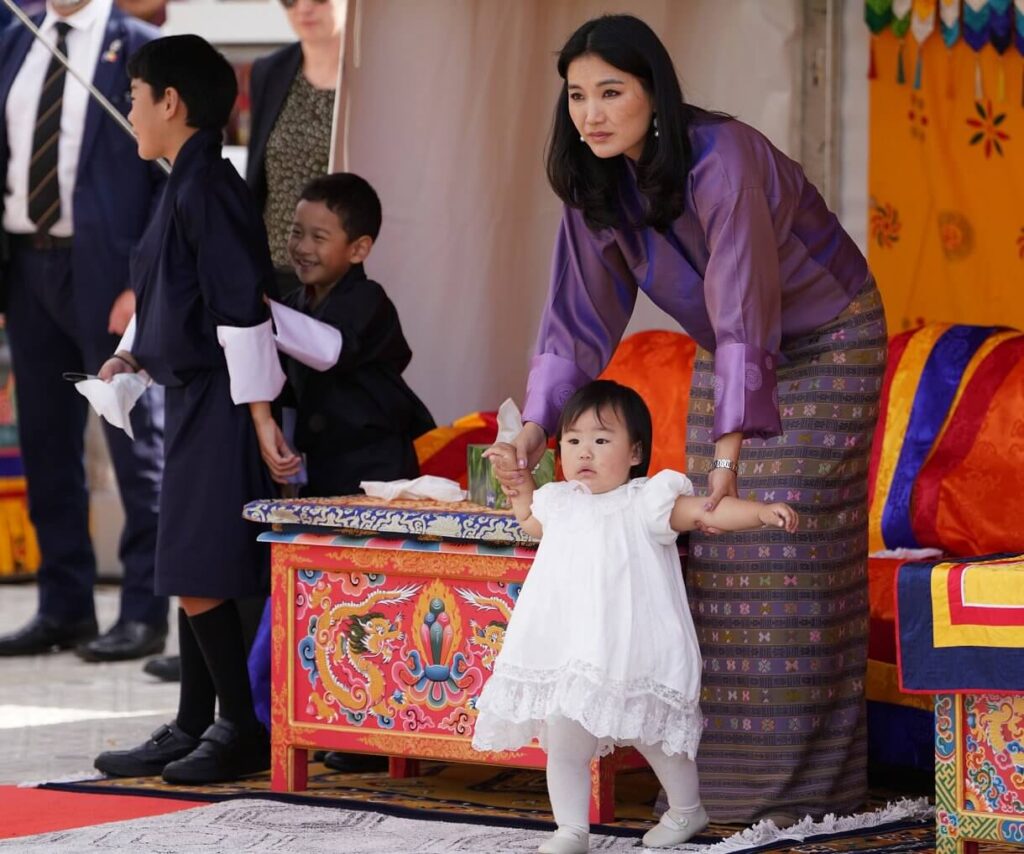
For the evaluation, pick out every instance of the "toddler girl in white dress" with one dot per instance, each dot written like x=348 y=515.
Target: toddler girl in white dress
x=601 y=649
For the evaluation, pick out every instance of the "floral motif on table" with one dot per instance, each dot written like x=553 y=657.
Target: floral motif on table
x=396 y=653
x=360 y=513
x=994 y=753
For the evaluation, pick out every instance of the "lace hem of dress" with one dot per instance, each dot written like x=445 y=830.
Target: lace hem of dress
x=516 y=703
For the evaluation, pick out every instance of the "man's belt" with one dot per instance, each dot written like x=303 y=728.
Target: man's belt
x=38 y=241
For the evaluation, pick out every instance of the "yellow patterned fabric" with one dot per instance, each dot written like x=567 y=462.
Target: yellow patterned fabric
x=19 y=551
x=946 y=227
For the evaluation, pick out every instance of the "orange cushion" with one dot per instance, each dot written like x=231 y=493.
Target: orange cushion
x=658 y=365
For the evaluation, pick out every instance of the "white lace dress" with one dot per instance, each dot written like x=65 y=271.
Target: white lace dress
x=601 y=632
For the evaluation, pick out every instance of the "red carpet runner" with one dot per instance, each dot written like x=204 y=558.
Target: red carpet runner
x=24 y=812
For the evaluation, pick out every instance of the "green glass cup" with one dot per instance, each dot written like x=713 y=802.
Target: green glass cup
x=484 y=488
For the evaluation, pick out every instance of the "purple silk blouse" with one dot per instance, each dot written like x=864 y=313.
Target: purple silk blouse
x=755 y=257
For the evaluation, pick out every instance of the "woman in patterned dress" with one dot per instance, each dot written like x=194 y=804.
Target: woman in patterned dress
x=292 y=94
x=726 y=235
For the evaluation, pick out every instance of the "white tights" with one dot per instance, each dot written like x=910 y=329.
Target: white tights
x=570 y=750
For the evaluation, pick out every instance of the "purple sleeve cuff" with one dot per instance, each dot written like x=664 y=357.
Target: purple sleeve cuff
x=746 y=392
x=551 y=383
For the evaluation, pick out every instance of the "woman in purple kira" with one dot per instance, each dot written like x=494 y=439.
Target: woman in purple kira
x=726 y=235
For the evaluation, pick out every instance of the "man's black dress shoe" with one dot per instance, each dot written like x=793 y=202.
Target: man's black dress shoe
x=126 y=640
x=166 y=744
x=224 y=753
x=44 y=634
x=355 y=763
x=166 y=668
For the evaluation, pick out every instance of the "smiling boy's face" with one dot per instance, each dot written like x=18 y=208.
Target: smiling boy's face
x=320 y=249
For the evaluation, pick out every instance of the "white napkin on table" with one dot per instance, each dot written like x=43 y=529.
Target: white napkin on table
x=427 y=486
x=114 y=400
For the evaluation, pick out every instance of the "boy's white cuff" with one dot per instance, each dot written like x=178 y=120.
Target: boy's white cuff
x=128 y=339
x=253 y=363
x=304 y=338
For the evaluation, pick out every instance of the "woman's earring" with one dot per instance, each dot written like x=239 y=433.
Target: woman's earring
x=582 y=138
x=655 y=125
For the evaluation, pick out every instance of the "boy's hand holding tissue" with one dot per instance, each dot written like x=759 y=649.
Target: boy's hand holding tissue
x=122 y=363
x=516 y=449
x=114 y=392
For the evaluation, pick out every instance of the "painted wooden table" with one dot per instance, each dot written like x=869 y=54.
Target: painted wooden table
x=387 y=618
x=961 y=635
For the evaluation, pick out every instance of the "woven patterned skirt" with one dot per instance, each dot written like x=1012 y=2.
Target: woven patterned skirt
x=782 y=619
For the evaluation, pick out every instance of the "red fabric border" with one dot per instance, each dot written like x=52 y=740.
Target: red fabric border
x=958 y=437
x=976 y=615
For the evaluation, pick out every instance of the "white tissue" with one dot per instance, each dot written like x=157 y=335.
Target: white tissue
x=114 y=400
x=428 y=486
x=510 y=421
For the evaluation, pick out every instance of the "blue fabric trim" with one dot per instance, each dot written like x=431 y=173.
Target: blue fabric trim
x=936 y=391
x=946 y=670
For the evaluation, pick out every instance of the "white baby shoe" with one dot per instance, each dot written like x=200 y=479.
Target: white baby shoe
x=566 y=842
x=675 y=828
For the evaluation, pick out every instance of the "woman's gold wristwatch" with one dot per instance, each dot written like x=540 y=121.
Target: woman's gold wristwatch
x=732 y=465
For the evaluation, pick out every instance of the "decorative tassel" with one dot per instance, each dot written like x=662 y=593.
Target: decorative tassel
x=872 y=68
x=950 y=76
x=979 y=84
x=901 y=76
x=1001 y=83
x=917 y=68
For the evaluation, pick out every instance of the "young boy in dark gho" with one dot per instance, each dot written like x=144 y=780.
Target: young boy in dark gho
x=355 y=416
x=203 y=331
x=356 y=419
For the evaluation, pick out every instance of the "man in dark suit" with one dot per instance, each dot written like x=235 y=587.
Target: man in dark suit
x=75 y=199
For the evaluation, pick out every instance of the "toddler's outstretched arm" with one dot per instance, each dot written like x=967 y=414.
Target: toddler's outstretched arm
x=521 y=501
x=732 y=514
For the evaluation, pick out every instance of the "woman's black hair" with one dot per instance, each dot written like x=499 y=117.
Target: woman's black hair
x=583 y=180
x=603 y=395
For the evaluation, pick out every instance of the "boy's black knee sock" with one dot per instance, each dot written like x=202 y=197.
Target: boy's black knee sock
x=219 y=633
x=197 y=698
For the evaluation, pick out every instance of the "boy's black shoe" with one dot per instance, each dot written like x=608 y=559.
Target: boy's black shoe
x=165 y=745
x=224 y=753
x=355 y=763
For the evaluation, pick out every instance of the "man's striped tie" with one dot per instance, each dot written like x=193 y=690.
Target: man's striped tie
x=43 y=186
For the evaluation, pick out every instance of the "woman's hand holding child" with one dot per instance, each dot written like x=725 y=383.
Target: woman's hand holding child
x=513 y=462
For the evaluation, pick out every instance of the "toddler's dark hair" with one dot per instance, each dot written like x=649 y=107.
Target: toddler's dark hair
x=602 y=395
x=204 y=79
x=351 y=198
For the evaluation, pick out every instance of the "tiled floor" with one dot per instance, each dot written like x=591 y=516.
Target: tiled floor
x=57 y=712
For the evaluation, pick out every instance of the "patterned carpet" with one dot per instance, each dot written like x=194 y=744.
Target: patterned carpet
x=267 y=826
x=260 y=825
x=473 y=808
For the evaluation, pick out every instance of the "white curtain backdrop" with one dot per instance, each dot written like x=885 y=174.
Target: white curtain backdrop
x=446 y=108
